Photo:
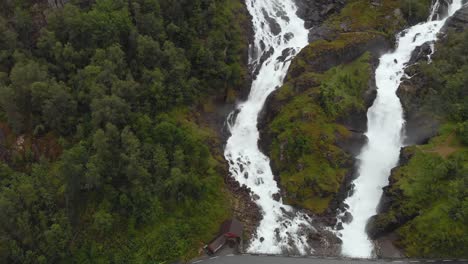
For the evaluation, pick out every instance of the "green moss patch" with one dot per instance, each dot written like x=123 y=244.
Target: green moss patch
x=360 y=15
x=433 y=189
x=304 y=149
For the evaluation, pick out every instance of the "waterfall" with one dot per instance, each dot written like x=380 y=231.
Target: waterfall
x=279 y=36
x=385 y=124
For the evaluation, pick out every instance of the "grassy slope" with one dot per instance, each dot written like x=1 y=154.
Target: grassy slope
x=433 y=186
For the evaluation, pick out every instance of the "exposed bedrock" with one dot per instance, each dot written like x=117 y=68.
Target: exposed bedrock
x=314 y=12
x=457 y=22
x=318 y=58
x=383 y=224
x=421 y=124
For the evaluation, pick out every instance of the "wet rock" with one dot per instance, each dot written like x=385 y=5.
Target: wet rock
x=353 y=144
x=314 y=12
x=324 y=243
x=385 y=247
x=276 y=197
x=442 y=11
x=244 y=208
x=421 y=53
x=328 y=9
x=322 y=32
x=314 y=236
x=347 y=218
x=339 y=226
x=288 y=36
x=287 y=213
x=457 y=22
x=286 y=53
x=274 y=26
x=331 y=221
x=420 y=125
x=377 y=226
x=263 y=58
x=343 y=206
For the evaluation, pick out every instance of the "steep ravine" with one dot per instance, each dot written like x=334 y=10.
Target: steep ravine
x=342 y=53
x=431 y=127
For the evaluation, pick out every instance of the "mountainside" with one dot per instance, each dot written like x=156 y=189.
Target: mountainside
x=313 y=126
x=113 y=128
x=109 y=148
x=426 y=204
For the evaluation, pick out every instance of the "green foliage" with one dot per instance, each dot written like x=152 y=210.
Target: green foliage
x=434 y=189
x=416 y=10
x=344 y=86
x=462 y=132
x=303 y=149
x=446 y=94
x=433 y=185
x=114 y=82
x=360 y=16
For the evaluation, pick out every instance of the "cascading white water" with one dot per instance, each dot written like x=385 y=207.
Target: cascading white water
x=279 y=36
x=385 y=123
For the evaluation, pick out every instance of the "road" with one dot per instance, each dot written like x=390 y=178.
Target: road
x=256 y=259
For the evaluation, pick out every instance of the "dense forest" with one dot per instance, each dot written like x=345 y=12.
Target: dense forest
x=104 y=159
x=100 y=159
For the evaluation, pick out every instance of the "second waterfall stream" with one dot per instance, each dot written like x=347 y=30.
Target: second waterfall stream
x=385 y=126
x=279 y=35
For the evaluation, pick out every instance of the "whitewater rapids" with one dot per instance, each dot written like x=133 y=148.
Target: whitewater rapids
x=385 y=137
x=279 y=35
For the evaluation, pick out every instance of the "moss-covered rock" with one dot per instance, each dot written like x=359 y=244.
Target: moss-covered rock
x=426 y=200
x=303 y=133
x=313 y=126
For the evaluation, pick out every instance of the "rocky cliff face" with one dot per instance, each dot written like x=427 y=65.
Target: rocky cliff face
x=425 y=122
x=458 y=22
x=313 y=127
x=314 y=12
x=422 y=124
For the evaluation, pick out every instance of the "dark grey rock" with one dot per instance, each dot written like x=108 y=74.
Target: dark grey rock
x=339 y=226
x=421 y=53
x=347 y=218
x=457 y=22
x=314 y=12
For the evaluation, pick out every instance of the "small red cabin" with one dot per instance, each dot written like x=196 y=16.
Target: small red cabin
x=231 y=230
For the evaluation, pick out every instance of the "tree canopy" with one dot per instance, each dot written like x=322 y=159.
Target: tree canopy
x=98 y=161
